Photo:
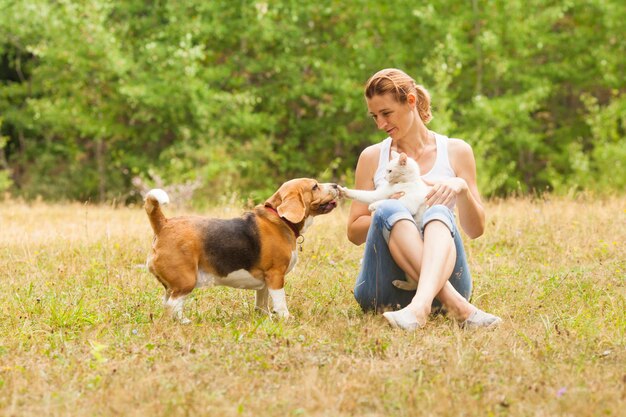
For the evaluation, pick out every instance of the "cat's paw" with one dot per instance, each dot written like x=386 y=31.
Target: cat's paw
x=343 y=191
x=372 y=207
x=405 y=285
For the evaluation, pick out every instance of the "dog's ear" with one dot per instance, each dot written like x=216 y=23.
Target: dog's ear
x=394 y=154
x=403 y=159
x=274 y=201
x=292 y=207
x=289 y=205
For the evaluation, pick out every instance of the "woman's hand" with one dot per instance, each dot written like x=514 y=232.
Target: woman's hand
x=446 y=191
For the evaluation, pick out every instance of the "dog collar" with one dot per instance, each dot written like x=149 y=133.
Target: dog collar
x=292 y=226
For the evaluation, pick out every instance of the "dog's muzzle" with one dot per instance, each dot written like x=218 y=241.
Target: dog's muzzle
x=327 y=207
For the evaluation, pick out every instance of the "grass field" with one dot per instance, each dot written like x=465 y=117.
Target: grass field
x=82 y=330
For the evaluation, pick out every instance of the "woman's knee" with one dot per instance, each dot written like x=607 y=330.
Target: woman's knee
x=441 y=213
x=388 y=213
x=388 y=208
x=363 y=298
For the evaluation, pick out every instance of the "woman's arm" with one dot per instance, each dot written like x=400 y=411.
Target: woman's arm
x=471 y=210
x=360 y=218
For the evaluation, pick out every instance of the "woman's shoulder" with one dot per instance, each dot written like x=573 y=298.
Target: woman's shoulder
x=371 y=153
x=459 y=148
x=460 y=154
x=367 y=165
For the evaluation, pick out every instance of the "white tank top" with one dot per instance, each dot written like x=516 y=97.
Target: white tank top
x=440 y=170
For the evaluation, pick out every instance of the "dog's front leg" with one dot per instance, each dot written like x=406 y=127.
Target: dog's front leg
x=262 y=300
x=275 y=281
x=279 y=302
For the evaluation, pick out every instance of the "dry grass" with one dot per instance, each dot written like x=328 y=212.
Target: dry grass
x=82 y=331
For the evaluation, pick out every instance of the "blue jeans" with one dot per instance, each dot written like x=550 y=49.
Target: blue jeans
x=374 y=289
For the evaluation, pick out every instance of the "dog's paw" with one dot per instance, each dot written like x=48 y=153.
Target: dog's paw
x=282 y=314
x=372 y=207
x=405 y=285
x=262 y=310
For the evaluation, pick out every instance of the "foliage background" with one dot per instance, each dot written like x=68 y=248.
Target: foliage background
x=242 y=95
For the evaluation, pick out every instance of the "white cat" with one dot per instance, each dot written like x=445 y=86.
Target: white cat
x=403 y=176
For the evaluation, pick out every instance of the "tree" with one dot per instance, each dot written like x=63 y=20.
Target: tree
x=241 y=96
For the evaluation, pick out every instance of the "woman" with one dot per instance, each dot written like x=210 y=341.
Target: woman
x=431 y=253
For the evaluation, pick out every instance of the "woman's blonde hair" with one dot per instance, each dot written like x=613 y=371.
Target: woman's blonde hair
x=397 y=83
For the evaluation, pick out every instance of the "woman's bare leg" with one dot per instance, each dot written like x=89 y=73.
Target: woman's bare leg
x=438 y=255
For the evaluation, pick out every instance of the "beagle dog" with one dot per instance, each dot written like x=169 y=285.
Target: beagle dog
x=254 y=251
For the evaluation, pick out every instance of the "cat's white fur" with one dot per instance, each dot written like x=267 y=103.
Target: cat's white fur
x=403 y=176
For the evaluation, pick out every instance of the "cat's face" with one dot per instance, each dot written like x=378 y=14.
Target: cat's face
x=402 y=169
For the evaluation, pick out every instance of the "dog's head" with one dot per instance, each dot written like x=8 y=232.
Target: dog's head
x=300 y=198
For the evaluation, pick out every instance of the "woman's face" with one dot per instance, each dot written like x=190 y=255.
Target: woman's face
x=393 y=117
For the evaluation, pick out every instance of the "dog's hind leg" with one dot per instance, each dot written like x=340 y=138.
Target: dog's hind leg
x=166 y=296
x=175 y=307
x=175 y=302
x=178 y=283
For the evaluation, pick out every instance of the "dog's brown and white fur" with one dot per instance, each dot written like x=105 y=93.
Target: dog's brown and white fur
x=254 y=251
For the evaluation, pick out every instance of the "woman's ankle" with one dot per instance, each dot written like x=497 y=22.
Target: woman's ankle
x=421 y=310
x=460 y=310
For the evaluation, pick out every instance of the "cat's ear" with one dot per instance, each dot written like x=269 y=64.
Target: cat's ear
x=403 y=158
x=394 y=154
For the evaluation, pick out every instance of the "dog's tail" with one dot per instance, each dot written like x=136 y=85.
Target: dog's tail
x=154 y=199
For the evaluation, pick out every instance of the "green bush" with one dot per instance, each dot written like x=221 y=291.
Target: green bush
x=241 y=96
